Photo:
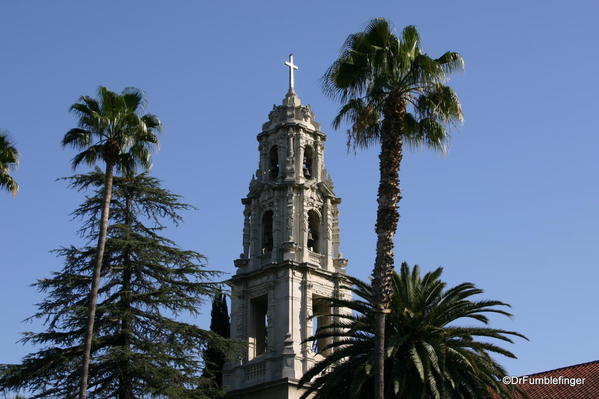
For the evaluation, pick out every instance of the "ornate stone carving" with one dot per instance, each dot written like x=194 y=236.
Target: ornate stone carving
x=276 y=115
x=246 y=231
x=328 y=180
x=290 y=216
x=306 y=114
x=340 y=263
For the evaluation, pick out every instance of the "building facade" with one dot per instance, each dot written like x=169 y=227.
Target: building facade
x=290 y=261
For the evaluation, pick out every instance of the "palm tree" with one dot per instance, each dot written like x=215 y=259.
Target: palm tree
x=111 y=129
x=391 y=93
x=429 y=353
x=9 y=160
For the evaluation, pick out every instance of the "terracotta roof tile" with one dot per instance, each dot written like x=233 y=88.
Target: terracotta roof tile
x=562 y=389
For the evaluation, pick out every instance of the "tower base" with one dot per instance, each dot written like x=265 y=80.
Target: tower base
x=285 y=388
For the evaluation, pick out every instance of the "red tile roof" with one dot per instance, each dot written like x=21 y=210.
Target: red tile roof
x=549 y=385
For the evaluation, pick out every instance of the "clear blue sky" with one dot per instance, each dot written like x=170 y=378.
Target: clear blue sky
x=513 y=207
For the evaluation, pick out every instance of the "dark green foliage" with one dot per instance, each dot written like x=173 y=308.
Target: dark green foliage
x=9 y=160
x=429 y=352
x=214 y=357
x=140 y=350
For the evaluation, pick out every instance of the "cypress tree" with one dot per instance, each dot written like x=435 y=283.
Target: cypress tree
x=140 y=349
x=214 y=357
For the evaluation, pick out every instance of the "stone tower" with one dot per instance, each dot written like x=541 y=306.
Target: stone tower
x=290 y=259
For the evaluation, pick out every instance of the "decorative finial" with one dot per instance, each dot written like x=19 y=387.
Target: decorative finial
x=292 y=67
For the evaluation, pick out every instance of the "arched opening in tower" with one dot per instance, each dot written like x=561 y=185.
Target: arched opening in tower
x=321 y=312
x=313 y=231
x=267 y=232
x=308 y=162
x=273 y=162
x=258 y=327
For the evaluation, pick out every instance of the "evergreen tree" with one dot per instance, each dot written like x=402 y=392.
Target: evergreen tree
x=140 y=350
x=214 y=357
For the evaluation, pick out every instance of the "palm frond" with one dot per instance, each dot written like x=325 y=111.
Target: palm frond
x=89 y=156
x=77 y=138
x=364 y=120
x=451 y=62
x=134 y=99
x=9 y=161
x=9 y=183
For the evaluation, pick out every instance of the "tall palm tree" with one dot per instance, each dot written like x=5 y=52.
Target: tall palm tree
x=429 y=353
x=111 y=129
x=9 y=160
x=391 y=93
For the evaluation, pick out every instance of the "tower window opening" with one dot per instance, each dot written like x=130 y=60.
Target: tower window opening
x=258 y=334
x=313 y=231
x=321 y=311
x=273 y=162
x=307 y=163
x=267 y=238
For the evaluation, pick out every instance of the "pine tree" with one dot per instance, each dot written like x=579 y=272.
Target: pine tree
x=214 y=358
x=140 y=350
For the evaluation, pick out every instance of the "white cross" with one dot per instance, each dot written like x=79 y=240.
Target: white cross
x=291 y=68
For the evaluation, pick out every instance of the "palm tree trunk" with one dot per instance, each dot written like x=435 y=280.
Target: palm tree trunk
x=386 y=226
x=93 y=296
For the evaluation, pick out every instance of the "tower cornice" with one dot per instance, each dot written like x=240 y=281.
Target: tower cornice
x=277 y=130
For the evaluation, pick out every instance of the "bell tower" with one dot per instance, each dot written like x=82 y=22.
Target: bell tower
x=290 y=260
